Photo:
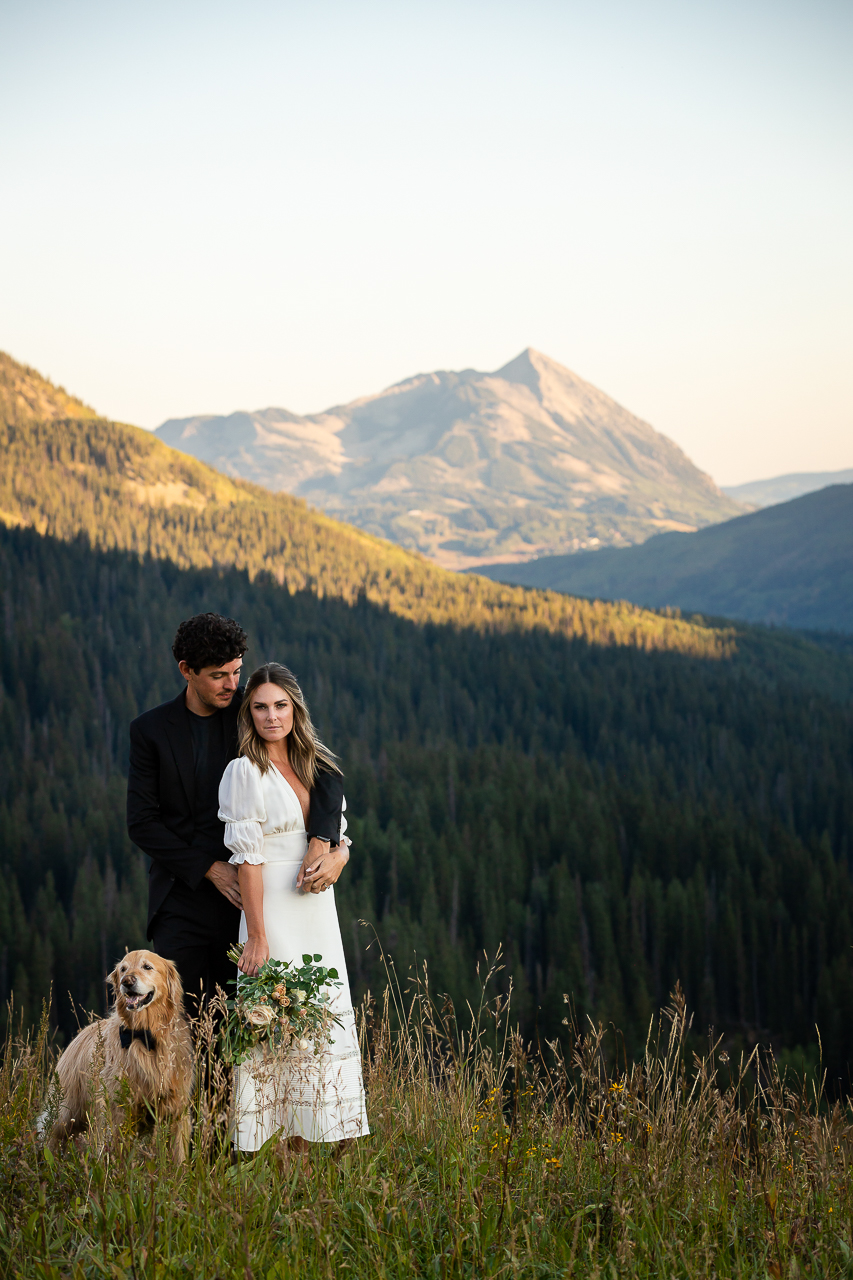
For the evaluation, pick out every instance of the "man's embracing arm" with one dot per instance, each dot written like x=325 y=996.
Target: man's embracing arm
x=145 y=827
x=326 y=858
x=327 y=798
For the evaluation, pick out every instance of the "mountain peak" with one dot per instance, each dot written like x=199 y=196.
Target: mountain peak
x=560 y=391
x=530 y=367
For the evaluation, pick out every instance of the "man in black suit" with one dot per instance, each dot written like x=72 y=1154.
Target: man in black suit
x=178 y=753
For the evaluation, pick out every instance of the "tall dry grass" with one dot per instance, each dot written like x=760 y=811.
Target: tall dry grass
x=485 y=1159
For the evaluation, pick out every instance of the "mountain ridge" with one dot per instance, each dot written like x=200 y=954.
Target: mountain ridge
x=789 y=564
x=794 y=484
x=471 y=467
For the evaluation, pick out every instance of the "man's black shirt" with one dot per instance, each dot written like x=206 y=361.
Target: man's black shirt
x=210 y=757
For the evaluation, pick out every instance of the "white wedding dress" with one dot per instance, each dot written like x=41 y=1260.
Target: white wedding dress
x=318 y=1097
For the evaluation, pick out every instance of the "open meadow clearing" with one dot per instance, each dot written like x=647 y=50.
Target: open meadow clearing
x=485 y=1159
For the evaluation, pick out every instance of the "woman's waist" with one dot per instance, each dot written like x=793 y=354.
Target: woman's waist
x=285 y=846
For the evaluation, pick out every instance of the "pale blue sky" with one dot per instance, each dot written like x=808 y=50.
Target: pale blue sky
x=219 y=206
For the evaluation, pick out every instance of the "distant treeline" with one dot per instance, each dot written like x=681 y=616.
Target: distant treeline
x=617 y=819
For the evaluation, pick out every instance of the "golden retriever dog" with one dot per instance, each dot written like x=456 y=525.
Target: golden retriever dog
x=139 y=1059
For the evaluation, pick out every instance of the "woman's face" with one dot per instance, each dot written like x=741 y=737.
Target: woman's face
x=272 y=712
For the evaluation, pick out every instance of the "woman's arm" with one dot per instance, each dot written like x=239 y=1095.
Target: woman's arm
x=255 y=951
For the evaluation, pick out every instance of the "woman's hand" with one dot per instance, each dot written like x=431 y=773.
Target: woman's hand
x=255 y=953
x=321 y=866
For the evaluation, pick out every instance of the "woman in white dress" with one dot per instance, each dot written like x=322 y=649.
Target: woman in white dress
x=287 y=911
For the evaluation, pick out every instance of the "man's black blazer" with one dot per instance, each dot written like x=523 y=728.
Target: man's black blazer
x=160 y=787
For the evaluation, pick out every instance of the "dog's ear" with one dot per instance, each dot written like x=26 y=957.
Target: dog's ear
x=174 y=989
x=113 y=980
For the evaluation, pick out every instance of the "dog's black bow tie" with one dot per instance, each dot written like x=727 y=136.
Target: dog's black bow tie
x=127 y=1037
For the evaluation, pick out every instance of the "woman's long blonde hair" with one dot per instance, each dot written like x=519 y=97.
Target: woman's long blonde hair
x=306 y=752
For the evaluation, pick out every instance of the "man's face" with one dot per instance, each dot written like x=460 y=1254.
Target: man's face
x=211 y=688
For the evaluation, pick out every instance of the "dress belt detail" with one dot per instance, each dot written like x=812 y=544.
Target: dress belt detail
x=283 y=847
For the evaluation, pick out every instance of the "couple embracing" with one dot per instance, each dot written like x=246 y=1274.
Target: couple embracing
x=240 y=808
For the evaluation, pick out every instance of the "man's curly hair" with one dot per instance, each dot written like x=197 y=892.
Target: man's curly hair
x=209 y=640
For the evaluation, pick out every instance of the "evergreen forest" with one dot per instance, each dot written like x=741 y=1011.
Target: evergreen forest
x=616 y=819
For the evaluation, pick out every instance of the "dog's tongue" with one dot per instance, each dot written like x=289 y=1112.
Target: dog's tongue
x=133 y=1001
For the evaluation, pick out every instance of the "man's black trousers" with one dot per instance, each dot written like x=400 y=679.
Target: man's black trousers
x=195 y=929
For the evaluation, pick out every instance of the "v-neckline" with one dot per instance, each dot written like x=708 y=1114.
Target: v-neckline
x=292 y=791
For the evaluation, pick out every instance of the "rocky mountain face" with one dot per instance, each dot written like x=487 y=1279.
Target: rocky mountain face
x=471 y=468
x=789 y=564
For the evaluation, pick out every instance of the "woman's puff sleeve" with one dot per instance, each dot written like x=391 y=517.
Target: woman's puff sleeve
x=242 y=809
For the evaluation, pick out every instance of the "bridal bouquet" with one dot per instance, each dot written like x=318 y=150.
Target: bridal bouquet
x=282 y=1006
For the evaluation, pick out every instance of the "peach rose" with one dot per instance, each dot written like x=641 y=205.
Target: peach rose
x=260 y=1016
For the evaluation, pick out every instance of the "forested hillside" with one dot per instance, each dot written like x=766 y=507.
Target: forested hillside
x=25 y=396
x=617 y=819
x=789 y=564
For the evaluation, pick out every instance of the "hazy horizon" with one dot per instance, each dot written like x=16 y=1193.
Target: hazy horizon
x=213 y=209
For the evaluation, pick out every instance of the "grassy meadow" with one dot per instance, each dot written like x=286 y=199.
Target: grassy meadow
x=485 y=1159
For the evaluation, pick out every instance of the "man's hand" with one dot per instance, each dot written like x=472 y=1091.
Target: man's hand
x=321 y=866
x=224 y=877
x=317 y=851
